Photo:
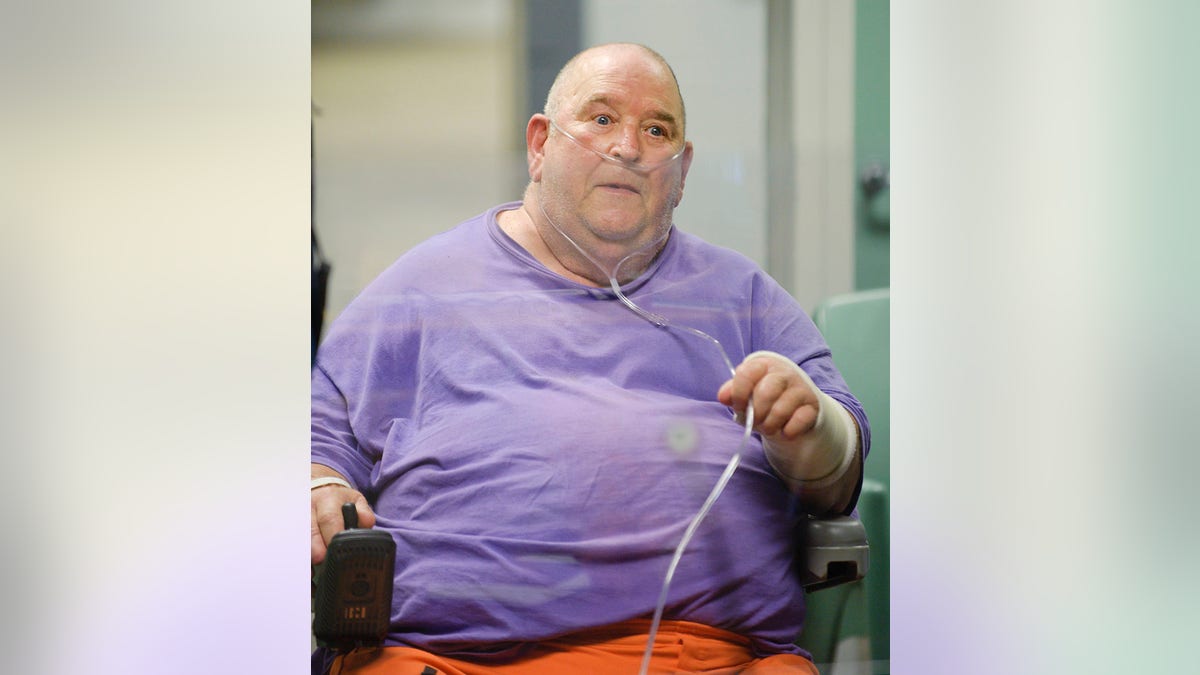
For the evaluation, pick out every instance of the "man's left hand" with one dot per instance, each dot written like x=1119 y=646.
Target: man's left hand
x=785 y=405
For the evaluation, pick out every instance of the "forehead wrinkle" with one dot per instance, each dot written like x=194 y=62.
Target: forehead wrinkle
x=606 y=68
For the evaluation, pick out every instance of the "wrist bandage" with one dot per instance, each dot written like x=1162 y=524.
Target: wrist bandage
x=328 y=480
x=825 y=452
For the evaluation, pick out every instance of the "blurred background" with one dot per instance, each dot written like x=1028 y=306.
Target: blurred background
x=154 y=186
x=420 y=109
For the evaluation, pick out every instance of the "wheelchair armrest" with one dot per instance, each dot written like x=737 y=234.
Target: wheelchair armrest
x=835 y=552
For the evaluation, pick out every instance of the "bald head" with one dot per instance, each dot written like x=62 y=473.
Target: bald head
x=584 y=62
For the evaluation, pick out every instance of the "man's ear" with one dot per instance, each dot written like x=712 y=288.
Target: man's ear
x=686 y=163
x=536 y=133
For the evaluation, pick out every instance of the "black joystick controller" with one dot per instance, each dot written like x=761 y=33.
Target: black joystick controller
x=352 y=602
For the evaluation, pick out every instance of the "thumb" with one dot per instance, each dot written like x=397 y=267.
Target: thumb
x=366 y=517
x=725 y=393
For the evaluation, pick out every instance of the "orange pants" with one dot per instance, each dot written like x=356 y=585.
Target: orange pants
x=679 y=647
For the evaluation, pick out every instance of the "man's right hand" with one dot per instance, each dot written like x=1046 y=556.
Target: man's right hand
x=327 y=503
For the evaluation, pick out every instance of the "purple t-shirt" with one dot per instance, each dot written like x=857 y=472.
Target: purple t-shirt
x=536 y=449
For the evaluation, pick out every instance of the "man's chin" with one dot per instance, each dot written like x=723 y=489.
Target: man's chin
x=617 y=226
x=619 y=240
x=631 y=248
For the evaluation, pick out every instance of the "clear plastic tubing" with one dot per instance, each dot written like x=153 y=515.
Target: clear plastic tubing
x=661 y=322
x=638 y=166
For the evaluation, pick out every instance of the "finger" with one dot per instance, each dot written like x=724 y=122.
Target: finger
x=327 y=517
x=725 y=393
x=327 y=510
x=778 y=400
x=318 y=542
x=366 y=517
x=745 y=378
x=802 y=421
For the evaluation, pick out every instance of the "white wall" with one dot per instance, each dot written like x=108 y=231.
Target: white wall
x=822 y=262
x=424 y=19
x=414 y=133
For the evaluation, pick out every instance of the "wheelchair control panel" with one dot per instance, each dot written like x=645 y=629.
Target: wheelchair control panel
x=352 y=598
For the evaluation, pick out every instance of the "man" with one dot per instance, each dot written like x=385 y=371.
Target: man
x=499 y=403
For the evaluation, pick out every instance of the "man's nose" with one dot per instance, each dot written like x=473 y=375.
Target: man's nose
x=627 y=144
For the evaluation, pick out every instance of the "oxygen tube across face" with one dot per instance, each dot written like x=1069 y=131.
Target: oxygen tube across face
x=637 y=165
x=663 y=323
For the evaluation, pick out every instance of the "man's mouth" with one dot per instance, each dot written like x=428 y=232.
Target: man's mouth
x=626 y=187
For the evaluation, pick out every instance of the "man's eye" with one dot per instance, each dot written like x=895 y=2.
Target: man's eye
x=658 y=131
x=603 y=120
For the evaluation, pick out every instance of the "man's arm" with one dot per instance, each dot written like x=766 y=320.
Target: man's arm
x=334 y=454
x=811 y=440
x=327 y=503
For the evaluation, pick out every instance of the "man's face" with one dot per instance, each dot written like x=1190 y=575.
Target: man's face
x=623 y=104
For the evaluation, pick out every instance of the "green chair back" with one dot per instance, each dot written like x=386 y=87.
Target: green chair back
x=857 y=328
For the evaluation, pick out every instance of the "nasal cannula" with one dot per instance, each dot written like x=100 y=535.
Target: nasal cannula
x=661 y=322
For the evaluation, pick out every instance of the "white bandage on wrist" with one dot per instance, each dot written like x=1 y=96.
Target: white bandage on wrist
x=825 y=452
x=329 y=480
